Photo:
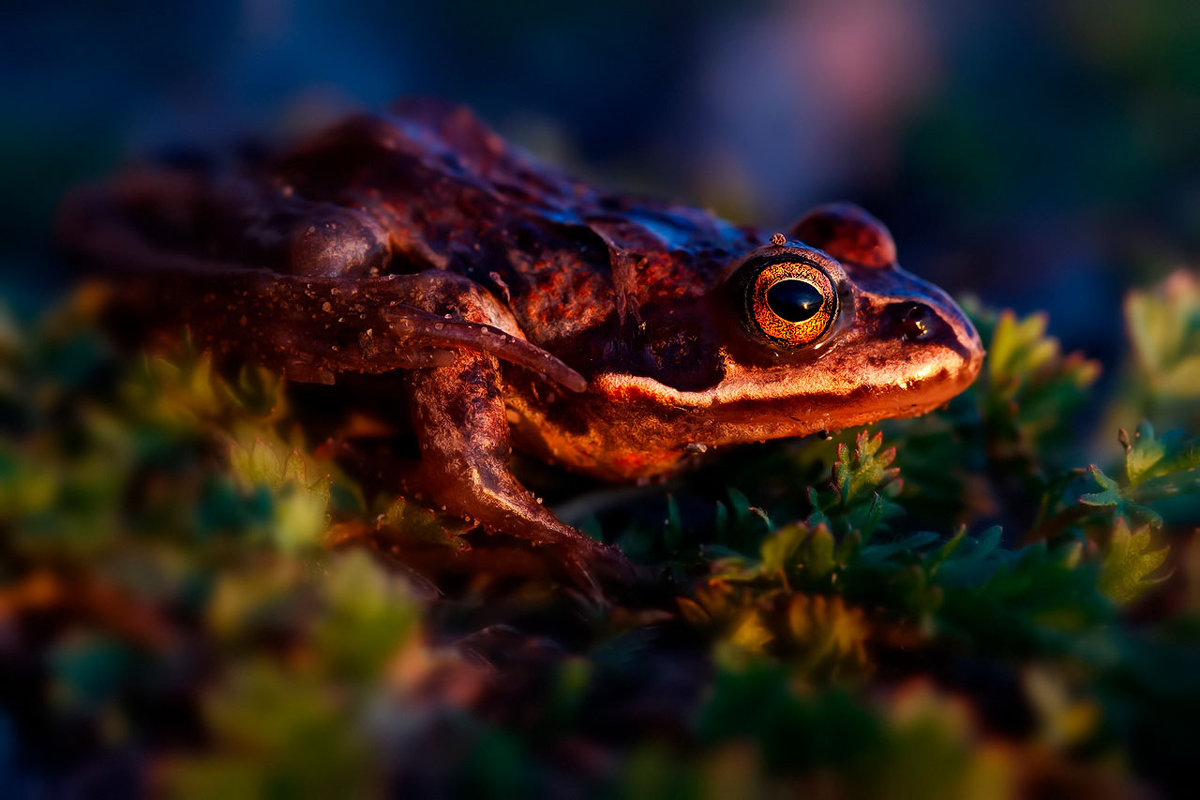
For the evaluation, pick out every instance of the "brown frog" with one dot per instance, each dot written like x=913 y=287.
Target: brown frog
x=516 y=307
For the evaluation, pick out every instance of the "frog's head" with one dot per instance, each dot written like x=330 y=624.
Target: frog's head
x=819 y=329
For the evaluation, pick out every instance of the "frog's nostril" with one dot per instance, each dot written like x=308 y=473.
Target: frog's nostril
x=917 y=322
x=939 y=324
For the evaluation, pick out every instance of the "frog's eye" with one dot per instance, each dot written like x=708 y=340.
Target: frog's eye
x=792 y=303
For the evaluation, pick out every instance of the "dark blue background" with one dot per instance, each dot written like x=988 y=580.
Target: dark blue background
x=1039 y=154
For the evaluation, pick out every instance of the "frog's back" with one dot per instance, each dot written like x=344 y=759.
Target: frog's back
x=569 y=260
x=424 y=186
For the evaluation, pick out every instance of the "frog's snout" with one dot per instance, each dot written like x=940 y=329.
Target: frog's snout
x=969 y=345
x=922 y=322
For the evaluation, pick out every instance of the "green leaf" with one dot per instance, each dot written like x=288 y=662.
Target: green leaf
x=418 y=522
x=751 y=634
x=1164 y=329
x=1029 y=387
x=369 y=615
x=1142 y=452
x=909 y=544
x=819 y=548
x=673 y=530
x=1160 y=467
x=1130 y=560
x=91 y=671
x=779 y=549
x=1114 y=497
x=1110 y=494
x=861 y=474
x=970 y=562
x=863 y=488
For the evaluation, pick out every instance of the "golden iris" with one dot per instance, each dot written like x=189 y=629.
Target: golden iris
x=793 y=303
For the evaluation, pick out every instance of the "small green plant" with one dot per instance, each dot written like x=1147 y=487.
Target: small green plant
x=958 y=605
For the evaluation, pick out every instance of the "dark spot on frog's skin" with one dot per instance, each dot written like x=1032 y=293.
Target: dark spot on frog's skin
x=688 y=364
x=526 y=237
x=566 y=414
x=469 y=375
x=684 y=257
x=512 y=191
x=876 y=362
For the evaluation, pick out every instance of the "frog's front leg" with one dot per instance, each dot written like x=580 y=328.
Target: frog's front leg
x=461 y=423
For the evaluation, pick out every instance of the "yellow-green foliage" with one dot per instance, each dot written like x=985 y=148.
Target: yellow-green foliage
x=187 y=579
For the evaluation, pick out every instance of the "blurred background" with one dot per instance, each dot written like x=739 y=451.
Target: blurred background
x=166 y=623
x=1037 y=154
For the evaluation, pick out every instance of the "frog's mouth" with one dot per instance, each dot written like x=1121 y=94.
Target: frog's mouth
x=752 y=408
x=853 y=384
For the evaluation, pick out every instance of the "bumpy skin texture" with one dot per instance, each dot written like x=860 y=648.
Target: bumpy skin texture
x=603 y=332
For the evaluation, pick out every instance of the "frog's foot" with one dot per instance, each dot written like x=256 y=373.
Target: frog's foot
x=502 y=507
x=512 y=540
x=459 y=417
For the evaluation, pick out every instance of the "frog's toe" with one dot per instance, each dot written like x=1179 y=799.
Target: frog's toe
x=413 y=327
x=606 y=568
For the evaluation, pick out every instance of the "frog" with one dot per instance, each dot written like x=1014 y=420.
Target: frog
x=499 y=303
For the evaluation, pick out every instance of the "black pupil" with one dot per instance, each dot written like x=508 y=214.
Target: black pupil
x=794 y=300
